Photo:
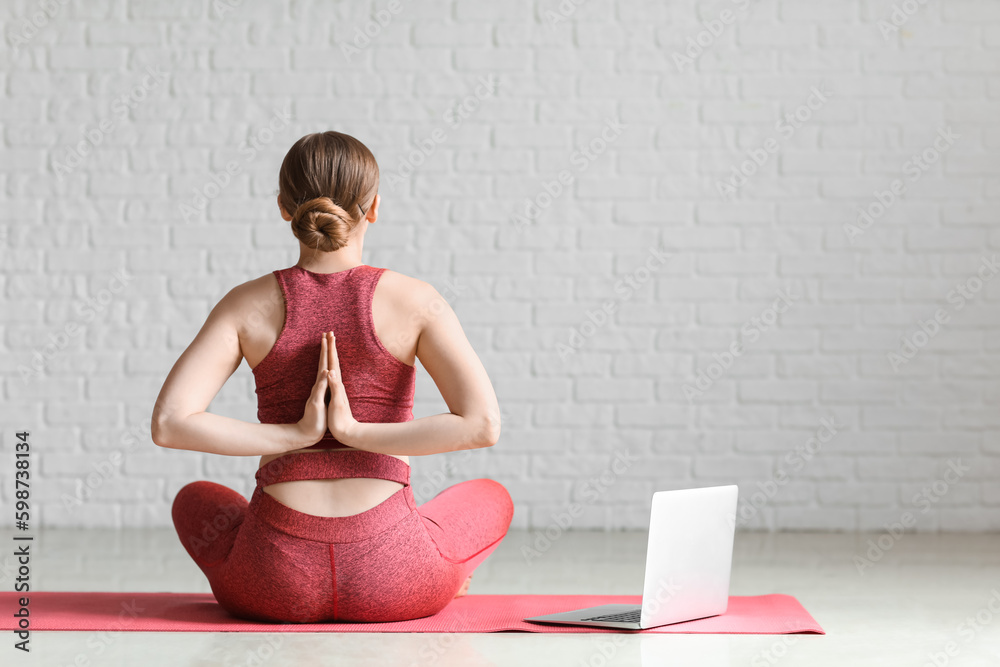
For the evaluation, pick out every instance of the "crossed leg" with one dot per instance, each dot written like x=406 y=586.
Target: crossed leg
x=207 y=517
x=467 y=521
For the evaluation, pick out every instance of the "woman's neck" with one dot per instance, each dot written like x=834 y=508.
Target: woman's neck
x=329 y=262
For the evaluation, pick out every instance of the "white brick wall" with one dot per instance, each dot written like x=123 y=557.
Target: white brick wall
x=579 y=276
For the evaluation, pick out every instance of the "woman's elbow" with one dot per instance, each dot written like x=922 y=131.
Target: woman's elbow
x=159 y=422
x=488 y=433
x=160 y=431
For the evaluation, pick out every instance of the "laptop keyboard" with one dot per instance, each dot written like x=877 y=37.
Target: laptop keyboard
x=631 y=616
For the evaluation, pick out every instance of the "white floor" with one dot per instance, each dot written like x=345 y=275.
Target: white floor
x=908 y=608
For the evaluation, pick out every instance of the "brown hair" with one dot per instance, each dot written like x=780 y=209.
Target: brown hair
x=327 y=182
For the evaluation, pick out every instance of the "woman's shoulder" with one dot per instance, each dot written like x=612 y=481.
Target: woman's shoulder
x=403 y=290
x=261 y=295
x=255 y=288
x=418 y=301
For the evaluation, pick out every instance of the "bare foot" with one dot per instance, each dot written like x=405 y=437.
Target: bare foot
x=465 y=588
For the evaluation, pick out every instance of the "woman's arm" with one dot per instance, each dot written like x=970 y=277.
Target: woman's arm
x=179 y=419
x=446 y=354
x=436 y=434
x=216 y=434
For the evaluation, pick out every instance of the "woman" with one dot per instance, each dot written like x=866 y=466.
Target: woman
x=332 y=532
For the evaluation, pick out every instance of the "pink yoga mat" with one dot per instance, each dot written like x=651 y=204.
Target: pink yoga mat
x=199 y=612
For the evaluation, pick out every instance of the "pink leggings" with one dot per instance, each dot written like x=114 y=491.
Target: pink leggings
x=396 y=561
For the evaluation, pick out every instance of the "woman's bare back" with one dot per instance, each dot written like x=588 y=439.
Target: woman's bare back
x=395 y=326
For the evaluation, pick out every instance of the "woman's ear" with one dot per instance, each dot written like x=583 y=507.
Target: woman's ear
x=373 y=211
x=284 y=214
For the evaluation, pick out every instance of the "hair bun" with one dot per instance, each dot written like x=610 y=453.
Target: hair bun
x=321 y=224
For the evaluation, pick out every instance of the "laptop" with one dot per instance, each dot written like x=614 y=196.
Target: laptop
x=689 y=559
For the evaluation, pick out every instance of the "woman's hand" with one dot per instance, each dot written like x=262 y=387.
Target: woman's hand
x=312 y=426
x=339 y=419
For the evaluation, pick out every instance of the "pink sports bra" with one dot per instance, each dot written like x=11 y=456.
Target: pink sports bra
x=379 y=386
